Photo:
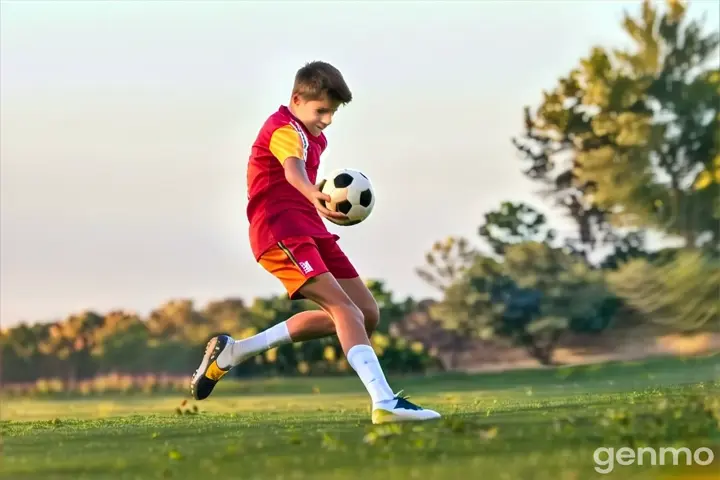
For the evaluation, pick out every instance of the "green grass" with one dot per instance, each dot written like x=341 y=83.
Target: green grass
x=515 y=425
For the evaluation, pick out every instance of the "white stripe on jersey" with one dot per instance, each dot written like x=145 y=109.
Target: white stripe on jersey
x=303 y=138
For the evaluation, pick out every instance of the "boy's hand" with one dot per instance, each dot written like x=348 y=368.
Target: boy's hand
x=319 y=200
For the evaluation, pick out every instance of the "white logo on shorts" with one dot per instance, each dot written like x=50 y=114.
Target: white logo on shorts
x=306 y=267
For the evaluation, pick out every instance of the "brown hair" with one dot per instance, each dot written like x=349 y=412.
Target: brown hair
x=316 y=79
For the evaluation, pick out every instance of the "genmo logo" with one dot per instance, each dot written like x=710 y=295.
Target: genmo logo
x=606 y=458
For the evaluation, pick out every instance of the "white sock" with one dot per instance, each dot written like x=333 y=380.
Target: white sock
x=241 y=350
x=363 y=360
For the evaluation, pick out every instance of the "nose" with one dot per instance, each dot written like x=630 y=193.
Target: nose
x=326 y=119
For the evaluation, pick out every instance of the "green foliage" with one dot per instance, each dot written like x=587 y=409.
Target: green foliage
x=514 y=223
x=624 y=139
x=682 y=293
x=626 y=143
x=391 y=311
x=666 y=419
x=532 y=297
x=447 y=262
x=120 y=350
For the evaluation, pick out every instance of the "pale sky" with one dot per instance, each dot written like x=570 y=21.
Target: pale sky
x=125 y=129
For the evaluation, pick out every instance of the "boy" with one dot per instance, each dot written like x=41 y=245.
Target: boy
x=290 y=240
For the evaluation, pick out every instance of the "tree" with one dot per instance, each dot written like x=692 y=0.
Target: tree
x=21 y=351
x=390 y=311
x=680 y=294
x=171 y=338
x=535 y=295
x=228 y=315
x=73 y=341
x=514 y=223
x=178 y=320
x=621 y=140
x=446 y=262
x=121 y=343
x=446 y=267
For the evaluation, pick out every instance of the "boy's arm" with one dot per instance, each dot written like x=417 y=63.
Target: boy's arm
x=296 y=175
x=288 y=146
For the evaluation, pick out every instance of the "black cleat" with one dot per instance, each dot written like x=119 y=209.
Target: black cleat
x=209 y=373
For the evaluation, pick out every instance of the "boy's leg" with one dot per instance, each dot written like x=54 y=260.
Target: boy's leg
x=294 y=262
x=344 y=296
x=349 y=325
x=303 y=271
x=318 y=324
x=314 y=324
x=311 y=324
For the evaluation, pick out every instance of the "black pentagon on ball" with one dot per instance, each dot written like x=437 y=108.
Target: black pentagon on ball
x=366 y=198
x=343 y=180
x=344 y=207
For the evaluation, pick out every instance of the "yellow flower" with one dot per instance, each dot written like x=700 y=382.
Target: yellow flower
x=329 y=353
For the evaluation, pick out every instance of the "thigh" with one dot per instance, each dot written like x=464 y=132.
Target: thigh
x=341 y=285
x=363 y=299
x=326 y=291
x=347 y=317
x=360 y=296
x=347 y=276
x=295 y=262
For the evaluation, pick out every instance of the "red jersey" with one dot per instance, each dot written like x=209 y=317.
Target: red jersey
x=277 y=210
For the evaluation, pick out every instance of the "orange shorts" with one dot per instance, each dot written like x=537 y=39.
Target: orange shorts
x=296 y=260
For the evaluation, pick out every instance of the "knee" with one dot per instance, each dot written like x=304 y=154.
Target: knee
x=367 y=314
x=371 y=315
x=347 y=310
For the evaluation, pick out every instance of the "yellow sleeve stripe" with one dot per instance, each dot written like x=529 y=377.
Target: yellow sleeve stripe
x=287 y=142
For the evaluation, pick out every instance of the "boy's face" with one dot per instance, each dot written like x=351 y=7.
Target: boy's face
x=316 y=115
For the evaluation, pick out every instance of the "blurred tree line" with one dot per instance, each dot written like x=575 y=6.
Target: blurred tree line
x=172 y=337
x=626 y=145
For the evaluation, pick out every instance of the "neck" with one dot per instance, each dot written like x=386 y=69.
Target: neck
x=291 y=107
x=294 y=112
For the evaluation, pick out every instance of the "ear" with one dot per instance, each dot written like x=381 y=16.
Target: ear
x=296 y=100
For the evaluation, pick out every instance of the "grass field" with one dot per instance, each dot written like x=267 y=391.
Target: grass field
x=515 y=425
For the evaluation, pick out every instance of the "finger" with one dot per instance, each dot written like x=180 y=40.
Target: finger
x=324 y=211
x=338 y=215
x=330 y=214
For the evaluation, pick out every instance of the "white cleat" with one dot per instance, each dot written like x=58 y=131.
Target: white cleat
x=400 y=409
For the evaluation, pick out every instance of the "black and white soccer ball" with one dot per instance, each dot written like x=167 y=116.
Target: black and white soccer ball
x=350 y=193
